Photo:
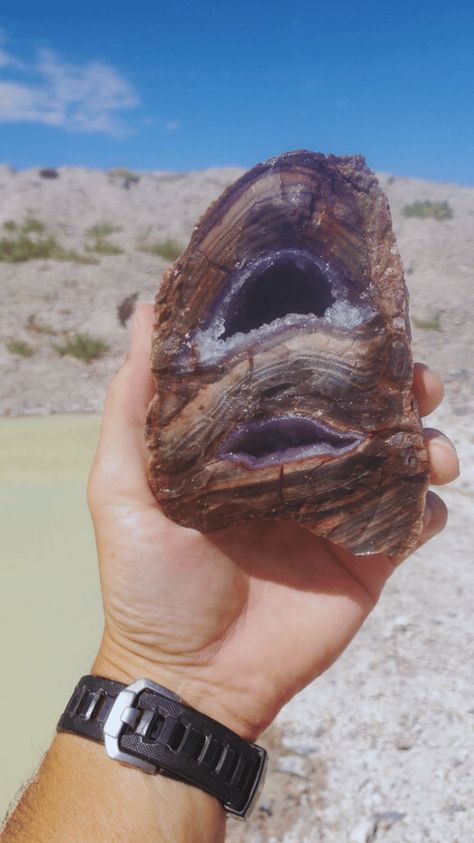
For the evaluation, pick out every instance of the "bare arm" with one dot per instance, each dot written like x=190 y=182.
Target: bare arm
x=80 y=795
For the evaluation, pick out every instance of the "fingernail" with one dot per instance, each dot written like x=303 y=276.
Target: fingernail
x=427 y=516
x=442 y=440
x=136 y=331
x=140 y=325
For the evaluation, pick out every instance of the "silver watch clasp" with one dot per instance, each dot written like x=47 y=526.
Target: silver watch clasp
x=124 y=713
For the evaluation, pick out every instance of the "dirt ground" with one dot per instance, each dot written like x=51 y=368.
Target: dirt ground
x=380 y=747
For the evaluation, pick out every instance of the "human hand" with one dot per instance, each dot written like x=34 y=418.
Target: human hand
x=238 y=621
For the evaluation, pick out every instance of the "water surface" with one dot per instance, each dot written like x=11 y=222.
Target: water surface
x=50 y=610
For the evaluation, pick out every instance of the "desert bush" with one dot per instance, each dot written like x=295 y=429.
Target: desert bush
x=49 y=173
x=428 y=209
x=22 y=349
x=102 y=229
x=431 y=324
x=170 y=250
x=22 y=246
x=126 y=177
x=82 y=346
x=33 y=225
x=101 y=245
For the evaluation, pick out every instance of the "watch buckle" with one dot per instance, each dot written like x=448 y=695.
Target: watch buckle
x=122 y=714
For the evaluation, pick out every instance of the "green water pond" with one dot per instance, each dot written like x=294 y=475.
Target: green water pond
x=50 y=609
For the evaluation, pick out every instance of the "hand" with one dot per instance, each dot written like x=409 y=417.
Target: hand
x=238 y=621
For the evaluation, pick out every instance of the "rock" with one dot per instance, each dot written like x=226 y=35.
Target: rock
x=387 y=819
x=294 y=765
x=398 y=624
x=126 y=308
x=282 y=363
x=403 y=742
x=368 y=829
x=364 y=832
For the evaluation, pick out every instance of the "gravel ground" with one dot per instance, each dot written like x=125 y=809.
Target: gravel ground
x=380 y=747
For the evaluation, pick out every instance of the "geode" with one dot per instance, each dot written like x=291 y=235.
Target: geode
x=281 y=355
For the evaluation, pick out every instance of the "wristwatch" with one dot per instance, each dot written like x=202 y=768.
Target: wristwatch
x=149 y=727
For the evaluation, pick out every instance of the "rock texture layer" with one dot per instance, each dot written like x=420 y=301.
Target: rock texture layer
x=281 y=354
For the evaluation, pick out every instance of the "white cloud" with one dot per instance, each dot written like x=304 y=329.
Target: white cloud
x=77 y=97
x=172 y=125
x=5 y=58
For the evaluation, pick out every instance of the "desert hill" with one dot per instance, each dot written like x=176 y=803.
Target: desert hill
x=97 y=237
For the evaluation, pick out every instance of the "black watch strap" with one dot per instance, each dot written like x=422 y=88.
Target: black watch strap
x=148 y=726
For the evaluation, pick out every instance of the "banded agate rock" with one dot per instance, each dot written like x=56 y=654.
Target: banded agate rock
x=281 y=353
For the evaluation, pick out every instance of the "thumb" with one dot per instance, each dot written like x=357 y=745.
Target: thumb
x=120 y=464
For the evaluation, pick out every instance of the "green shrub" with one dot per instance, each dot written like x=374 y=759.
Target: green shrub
x=121 y=174
x=83 y=347
x=22 y=349
x=101 y=246
x=21 y=246
x=32 y=225
x=432 y=324
x=428 y=209
x=170 y=250
x=102 y=229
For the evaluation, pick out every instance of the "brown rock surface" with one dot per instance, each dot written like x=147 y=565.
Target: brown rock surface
x=282 y=362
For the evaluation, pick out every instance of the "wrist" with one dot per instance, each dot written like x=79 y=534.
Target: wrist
x=116 y=662
x=120 y=797
x=145 y=725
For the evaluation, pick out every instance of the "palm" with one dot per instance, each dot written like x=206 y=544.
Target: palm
x=235 y=621
x=250 y=614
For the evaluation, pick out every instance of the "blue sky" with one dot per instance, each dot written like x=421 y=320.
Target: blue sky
x=187 y=85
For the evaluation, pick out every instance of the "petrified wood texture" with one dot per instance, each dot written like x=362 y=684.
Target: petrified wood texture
x=282 y=362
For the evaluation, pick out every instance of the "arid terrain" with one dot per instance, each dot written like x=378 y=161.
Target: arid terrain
x=381 y=747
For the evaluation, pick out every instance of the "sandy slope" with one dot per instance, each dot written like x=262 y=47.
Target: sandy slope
x=74 y=297
x=380 y=748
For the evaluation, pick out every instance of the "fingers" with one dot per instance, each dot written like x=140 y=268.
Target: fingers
x=435 y=517
x=120 y=466
x=429 y=393
x=434 y=521
x=443 y=457
x=428 y=388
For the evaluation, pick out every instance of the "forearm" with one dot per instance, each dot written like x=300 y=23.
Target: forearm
x=79 y=794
